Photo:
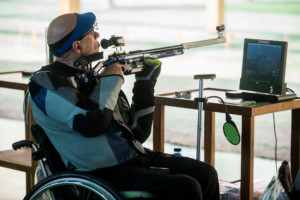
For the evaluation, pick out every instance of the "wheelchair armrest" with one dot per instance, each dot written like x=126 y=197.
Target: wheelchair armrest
x=22 y=143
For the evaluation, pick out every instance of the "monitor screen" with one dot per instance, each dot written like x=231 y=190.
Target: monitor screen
x=263 y=60
x=263 y=67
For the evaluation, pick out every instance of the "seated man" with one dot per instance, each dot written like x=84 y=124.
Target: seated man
x=94 y=128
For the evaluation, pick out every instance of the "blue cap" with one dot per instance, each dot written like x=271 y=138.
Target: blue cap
x=85 y=23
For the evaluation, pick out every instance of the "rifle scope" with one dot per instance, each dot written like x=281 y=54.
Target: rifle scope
x=116 y=41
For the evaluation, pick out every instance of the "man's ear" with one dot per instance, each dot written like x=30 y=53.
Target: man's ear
x=76 y=47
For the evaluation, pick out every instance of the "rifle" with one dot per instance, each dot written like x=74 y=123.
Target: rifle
x=133 y=60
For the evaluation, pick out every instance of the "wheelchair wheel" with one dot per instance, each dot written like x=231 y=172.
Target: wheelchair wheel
x=72 y=186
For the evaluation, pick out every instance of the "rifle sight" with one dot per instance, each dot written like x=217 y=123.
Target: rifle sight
x=116 y=41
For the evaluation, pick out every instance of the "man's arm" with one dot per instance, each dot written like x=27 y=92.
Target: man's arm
x=95 y=121
x=143 y=99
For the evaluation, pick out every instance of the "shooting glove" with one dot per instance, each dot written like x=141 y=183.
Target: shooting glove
x=143 y=99
x=151 y=70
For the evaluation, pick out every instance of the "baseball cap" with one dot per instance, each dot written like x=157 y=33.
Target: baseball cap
x=85 y=23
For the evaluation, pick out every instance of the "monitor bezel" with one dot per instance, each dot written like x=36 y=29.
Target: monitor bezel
x=268 y=80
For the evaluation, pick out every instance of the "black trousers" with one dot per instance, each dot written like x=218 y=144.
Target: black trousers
x=188 y=179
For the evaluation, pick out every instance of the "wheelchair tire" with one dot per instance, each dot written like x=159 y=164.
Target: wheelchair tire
x=73 y=186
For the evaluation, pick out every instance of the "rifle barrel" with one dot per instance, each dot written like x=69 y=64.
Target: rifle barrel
x=201 y=43
x=187 y=45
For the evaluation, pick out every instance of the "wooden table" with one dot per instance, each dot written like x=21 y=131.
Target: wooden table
x=247 y=114
x=21 y=159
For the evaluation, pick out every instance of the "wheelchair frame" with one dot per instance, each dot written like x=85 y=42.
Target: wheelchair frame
x=92 y=187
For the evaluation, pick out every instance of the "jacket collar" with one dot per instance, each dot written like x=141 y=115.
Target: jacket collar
x=62 y=69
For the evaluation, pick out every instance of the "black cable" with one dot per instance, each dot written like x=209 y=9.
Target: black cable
x=228 y=117
x=220 y=100
x=274 y=126
x=290 y=90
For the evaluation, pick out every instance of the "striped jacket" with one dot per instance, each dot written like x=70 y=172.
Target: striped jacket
x=93 y=130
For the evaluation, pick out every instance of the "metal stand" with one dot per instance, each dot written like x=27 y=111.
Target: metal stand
x=201 y=77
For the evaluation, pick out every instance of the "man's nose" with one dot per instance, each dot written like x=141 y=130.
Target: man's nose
x=96 y=35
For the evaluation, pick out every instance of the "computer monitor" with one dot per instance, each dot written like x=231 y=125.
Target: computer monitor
x=264 y=64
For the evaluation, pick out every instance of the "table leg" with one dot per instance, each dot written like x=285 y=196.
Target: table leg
x=247 y=160
x=209 y=137
x=295 y=143
x=159 y=128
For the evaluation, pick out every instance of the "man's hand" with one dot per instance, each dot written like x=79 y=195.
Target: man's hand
x=143 y=100
x=151 y=70
x=113 y=69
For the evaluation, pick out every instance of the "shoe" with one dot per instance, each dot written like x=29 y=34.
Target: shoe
x=285 y=177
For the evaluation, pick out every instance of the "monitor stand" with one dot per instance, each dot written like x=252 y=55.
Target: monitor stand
x=266 y=97
x=264 y=87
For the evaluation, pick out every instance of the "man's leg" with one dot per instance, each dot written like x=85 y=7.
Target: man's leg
x=165 y=187
x=203 y=172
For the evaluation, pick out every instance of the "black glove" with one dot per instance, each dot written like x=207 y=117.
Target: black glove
x=151 y=70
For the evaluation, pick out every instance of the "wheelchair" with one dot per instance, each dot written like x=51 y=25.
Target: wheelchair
x=59 y=183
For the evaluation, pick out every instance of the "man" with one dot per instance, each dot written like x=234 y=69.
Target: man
x=96 y=131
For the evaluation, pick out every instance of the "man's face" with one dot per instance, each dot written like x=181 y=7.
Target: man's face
x=89 y=44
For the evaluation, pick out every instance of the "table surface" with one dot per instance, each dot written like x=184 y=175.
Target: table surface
x=234 y=106
x=14 y=80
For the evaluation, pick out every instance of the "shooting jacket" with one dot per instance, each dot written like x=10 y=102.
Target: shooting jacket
x=95 y=130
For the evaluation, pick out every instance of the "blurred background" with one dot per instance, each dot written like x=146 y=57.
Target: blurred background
x=152 y=24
